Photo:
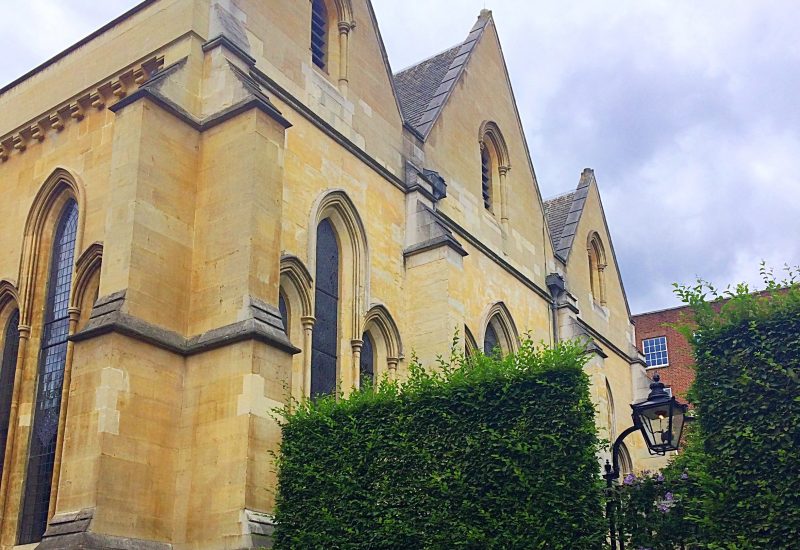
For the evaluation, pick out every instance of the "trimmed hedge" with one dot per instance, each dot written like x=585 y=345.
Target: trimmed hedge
x=747 y=398
x=482 y=453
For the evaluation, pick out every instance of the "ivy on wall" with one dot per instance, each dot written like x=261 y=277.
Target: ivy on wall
x=482 y=452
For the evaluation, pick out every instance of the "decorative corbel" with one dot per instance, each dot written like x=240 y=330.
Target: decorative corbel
x=77 y=111
x=97 y=100
x=20 y=142
x=56 y=121
x=37 y=132
x=119 y=89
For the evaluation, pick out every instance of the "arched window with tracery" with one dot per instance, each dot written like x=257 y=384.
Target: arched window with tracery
x=52 y=361
x=319 y=33
x=366 y=366
x=324 y=345
x=597 y=266
x=7 y=373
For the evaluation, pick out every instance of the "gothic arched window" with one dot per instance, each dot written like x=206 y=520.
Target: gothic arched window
x=326 y=310
x=597 y=266
x=319 y=33
x=367 y=364
x=7 y=372
x=491 y=342
x=52 y=360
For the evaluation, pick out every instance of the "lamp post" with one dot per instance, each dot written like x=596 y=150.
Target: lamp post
x=661 y=419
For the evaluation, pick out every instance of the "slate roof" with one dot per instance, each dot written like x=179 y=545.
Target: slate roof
x=423 y=89
x=556 y=210
x=417 y=84
x=563 y=214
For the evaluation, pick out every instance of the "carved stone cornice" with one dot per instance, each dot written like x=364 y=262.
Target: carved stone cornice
x=107 y=93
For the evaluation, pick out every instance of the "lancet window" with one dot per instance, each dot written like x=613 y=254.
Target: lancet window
x=52 y=361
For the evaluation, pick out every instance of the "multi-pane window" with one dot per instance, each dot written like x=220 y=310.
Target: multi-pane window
x=486 y=178
x=52 y=360
x=655 y=351
x=7 y=372
x=319 y=33
x=326 y=311
x=367 y=363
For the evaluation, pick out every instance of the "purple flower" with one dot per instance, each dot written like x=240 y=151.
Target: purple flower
x=668 y=496
x=629 y=479
x=685 y=475
x=663 y=508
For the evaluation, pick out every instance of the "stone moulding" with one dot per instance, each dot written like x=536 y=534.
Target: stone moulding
x=264 y=324
x=76 y=110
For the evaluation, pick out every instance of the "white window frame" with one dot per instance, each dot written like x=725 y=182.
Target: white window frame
x=666 y=352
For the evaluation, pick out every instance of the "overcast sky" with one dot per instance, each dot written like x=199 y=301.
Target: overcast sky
x=689 y=113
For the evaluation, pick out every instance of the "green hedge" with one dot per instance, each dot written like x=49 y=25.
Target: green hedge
x=484 y=453
x=747 y=398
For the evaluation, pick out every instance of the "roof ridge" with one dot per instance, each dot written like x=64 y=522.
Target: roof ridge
x=431 y=113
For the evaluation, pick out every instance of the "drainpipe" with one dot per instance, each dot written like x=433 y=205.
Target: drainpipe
x=557 y=287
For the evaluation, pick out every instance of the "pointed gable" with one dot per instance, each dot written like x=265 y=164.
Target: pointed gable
x=424 y=88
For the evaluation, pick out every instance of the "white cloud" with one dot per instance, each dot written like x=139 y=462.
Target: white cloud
x=687 y=111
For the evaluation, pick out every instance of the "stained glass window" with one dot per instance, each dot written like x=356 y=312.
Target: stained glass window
x=7 y=372
x=52 y=360
x=491 y=343
x=367 y=366
x=326 y=311
x=319 y=33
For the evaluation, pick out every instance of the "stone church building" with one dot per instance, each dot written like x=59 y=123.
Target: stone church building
x=214 y=206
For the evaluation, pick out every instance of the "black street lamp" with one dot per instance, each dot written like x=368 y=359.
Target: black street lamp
x=661 y=419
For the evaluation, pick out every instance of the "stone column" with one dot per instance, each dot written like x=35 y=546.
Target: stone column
x=503 y=170
x=356 y=345
x=308 y=333
x=391 y=364
x=13 y=420
x=344 y=34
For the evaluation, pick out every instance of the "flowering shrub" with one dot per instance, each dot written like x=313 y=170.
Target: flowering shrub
x=654 y=510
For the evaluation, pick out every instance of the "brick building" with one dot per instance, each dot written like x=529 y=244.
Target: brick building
x=666 y=351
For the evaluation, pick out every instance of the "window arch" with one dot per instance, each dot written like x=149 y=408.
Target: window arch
x=384 y=339
x=319 y=33
x=494 y=167
x=297 y=313
x=625 y=462
x=52 y=362
x=324 y=346
x=611 y=415
x=597 y=266
x=499 y=330
x=8 y=369
x=470 y=346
